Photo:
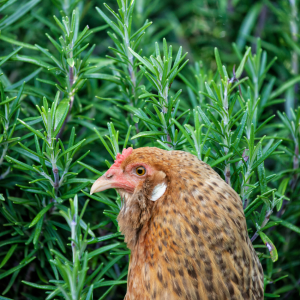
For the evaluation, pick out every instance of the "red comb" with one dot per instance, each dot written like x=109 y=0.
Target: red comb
x=121 y=157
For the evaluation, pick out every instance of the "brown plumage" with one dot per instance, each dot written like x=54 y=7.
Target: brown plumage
x=192 y=242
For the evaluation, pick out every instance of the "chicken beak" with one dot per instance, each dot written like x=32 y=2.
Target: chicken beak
x=112 y=179
x=103 y=183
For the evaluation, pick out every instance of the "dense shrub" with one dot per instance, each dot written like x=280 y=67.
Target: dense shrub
x=78 y=84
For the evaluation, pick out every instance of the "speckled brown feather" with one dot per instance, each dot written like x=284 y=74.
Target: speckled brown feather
x=192 y=243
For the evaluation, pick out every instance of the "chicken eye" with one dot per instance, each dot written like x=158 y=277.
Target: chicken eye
x=140 y=171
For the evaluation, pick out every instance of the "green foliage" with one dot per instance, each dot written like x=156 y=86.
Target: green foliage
x=68 y=108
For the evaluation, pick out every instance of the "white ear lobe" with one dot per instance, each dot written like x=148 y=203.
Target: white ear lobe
x=158 y=191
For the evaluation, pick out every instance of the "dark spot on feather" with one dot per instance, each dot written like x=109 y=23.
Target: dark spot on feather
x=216 y=202
x=212 y=296
x=192 y=272
x=186 y=200
x=220 y=241
x=247 y=263
x=165 y=243
x=208 y=269
x=176 y=251
x=221 y=196
x=188 y=296
x=260 y=268
x=230 y=288
x=172 y=272
x=208 y=286
x=244 y=256
x=235 y=279
x=214 y=183
x=187 y=252
x=176 y=288
x=207 y=215
x=219 y=257
x=159 y=276
x=209 y=277
x=223 y=268
x=200 y=198
x=181 y=273
x=214 y=211
x=166 y=258
x=159 y=248
x=178 y=231
x=211 y=187
x=198 y=296
x=237 y=206
x=186 y=263
x=195 y=229
x=235 y=257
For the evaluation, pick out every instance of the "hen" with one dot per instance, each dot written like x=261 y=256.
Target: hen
x=185 y=228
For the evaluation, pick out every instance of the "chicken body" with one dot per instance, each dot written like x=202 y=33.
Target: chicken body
x=192 y=242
